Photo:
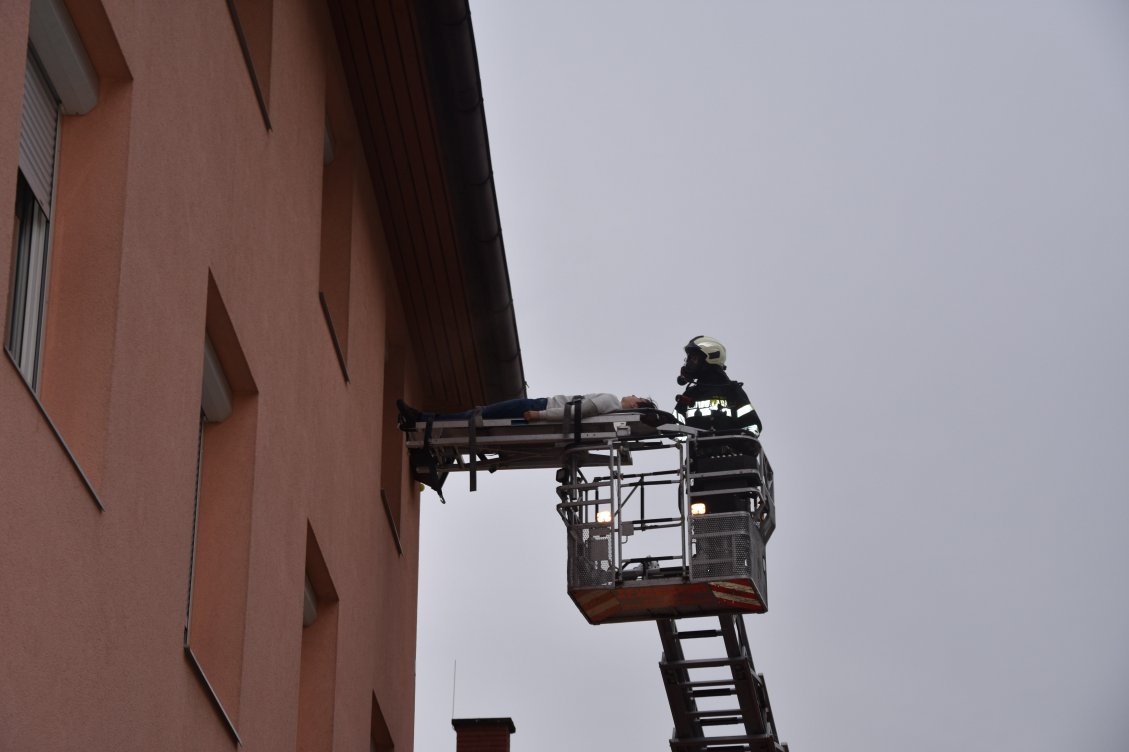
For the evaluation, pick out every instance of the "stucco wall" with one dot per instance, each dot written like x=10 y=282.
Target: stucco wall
x=171 y=178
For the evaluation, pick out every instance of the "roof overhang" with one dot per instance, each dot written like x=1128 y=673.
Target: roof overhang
x=412 y=73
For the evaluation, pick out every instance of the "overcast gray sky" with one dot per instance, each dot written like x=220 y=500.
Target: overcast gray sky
x=908 y=221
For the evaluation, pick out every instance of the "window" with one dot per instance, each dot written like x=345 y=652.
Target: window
x=39 y=132
x=393 y=451
x=254 y=26
x=219 y=565
x=59 y=314
x=58 y=79
x=337 y=195
x=380 y=740
x=318 y=677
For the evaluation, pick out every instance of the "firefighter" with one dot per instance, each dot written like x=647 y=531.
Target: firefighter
x=712 y=400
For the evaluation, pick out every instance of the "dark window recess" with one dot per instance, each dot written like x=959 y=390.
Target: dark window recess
x=254 y=26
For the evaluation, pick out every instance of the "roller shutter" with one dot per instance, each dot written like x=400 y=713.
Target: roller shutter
x=38 y=133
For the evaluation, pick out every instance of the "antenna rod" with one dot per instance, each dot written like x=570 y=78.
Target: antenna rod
x=454 y=676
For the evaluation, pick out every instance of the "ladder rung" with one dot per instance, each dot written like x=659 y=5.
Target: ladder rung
x=696 y=693
x=706 y=662
x=732 y=720
x=716 y=714
x=711 y=741
x=695 y=634
x=708 y=683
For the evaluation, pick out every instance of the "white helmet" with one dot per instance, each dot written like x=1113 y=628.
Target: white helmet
x=709 y=347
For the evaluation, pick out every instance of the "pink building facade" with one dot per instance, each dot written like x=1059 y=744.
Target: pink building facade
x=241 y=231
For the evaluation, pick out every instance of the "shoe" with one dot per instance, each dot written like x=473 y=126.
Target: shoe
x=409 y=416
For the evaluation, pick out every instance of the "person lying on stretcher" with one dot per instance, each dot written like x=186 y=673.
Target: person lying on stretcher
x=533 y=409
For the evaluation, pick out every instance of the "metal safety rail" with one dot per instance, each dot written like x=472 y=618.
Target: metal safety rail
x=635 y=549
x=719 y=704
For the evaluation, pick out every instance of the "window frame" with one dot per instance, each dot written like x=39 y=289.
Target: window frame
x=31 y=248
x=216 y=406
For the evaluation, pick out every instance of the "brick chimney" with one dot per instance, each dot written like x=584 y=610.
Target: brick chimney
x=483 y=734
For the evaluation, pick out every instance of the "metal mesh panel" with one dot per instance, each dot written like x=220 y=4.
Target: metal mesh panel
x=758 y=571
x=591 y=549
x=722 y=546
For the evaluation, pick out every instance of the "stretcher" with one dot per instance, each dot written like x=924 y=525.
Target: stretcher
x=439 y=447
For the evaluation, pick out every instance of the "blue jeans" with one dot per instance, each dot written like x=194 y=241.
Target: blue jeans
x=514 y=408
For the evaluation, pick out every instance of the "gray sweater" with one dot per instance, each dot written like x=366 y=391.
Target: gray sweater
x=590 y=404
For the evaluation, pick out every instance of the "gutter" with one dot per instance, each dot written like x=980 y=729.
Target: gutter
x=446 y=37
